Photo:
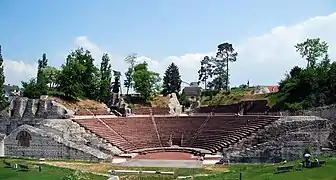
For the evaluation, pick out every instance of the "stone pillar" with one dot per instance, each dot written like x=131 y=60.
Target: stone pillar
x=2 y=146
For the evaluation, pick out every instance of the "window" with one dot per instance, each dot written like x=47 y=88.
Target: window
x=23 y=138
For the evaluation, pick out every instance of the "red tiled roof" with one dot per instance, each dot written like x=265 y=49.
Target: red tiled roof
x=273 y=89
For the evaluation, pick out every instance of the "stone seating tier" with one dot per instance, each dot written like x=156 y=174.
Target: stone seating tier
x=202 y=132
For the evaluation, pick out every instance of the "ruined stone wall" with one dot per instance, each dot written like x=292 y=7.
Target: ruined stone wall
x=285 y=139
x=327 y=112
x=22 y=108
x=47 y=145
x=8 y=125
x=71 y=131
x=30 y=111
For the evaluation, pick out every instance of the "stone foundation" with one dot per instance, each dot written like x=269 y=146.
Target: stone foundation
x=71 y=131
x=43 y=144
x=285 y=139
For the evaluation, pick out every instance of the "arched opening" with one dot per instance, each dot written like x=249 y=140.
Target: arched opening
x=23 y=138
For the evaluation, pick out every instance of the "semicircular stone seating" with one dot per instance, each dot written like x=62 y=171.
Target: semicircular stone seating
x=149 y=134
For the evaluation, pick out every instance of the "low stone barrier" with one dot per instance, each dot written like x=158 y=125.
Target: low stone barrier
x=139 y=172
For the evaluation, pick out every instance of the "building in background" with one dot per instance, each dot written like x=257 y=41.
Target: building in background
x=11 y=91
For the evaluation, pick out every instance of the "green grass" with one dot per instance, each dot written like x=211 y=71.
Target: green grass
x=231 y=97
x=47 y=173
x=216 y=172
x=266 y=172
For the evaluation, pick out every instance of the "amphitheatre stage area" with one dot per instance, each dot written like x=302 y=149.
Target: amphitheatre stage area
x=155 y=138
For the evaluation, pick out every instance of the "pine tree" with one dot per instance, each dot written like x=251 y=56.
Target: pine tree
x=105 y=78
x=3 y=101
x=172 y=80
x=42 y=63
x=41 y=79
x=225 y=54
x=205 y=71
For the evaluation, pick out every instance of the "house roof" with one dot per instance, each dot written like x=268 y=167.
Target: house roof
x=273 y=89
x=192 y=91
x=10 y=88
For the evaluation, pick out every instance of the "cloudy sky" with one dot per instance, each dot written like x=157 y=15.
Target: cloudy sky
x=263 y=32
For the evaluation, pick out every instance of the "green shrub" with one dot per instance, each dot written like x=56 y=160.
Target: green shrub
x=210 y=93
x=77 y=175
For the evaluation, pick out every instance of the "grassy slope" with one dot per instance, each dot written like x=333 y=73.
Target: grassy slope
x=79 y=104
x=234 y=96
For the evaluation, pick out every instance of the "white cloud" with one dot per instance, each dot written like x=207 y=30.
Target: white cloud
x=17 y=71
x=262 y=60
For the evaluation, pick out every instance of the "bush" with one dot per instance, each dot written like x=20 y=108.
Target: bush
x=77 y=175
x=55 y=93
x=210 y=92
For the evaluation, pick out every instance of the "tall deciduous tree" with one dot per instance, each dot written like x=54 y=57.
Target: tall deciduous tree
x=128 y=82
x=36 y=87
x=79 y=77
x=145 y=81
x=226 y=54
x=51 y=74
x=130 y=60
x=105 y=78
x=3 y=101
x=312 y=50
x=172 y=80
x=205 y=72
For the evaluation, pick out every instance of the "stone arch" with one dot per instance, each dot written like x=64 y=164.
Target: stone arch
x=23 y=138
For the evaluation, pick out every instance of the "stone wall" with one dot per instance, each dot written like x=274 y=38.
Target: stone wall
x=71 y=131
x=328 y=112
x=8 y=125
x=22 y=108
x=285 y=139
x=48 y=145
x=2 y=145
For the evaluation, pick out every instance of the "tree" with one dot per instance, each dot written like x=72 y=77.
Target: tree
x=206 y=70
x=128 y=82
x=105 y=78
x=220 y=75
x=314 y=86
x=42 y=63
x=69 y=79
x=51 y=74
x=89 y=75
x=226 y=52
x=312 y=50
x=41 y=79
x=31 y=89
x=79 y=77
x=3 y=101
x=172 y=80
x=145 y=82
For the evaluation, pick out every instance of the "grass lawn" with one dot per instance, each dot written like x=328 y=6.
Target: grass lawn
x=47 y=173
x=220 y=172
x=266 y=172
